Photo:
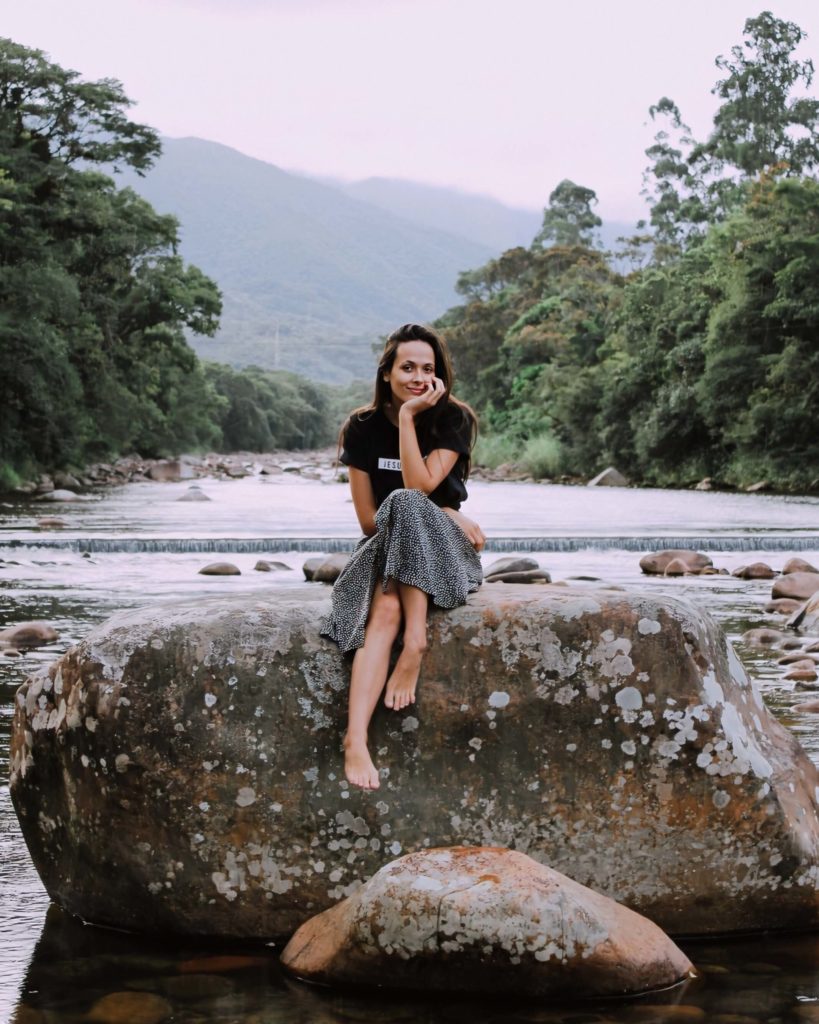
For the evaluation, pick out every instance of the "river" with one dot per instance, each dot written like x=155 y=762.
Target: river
x=139 y=544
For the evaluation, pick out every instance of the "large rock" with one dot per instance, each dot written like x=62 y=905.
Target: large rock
x=656 y=563
x=483 y=920
x=29 y=634
x=808 y=617
x=181 y=768
x=798 y=585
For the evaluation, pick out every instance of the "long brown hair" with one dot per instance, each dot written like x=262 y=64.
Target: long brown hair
x=427 y=423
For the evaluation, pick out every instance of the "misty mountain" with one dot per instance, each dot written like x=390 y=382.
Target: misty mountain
x=311 y=277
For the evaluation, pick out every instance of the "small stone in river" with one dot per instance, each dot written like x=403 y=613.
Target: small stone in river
x=677 y=567
x=812 y=648
x=797 y=565
x=193 y=493
x=762 y=637
x=264 y=566
x=198 y=986
x=51 y=523
x=656 y=562
x=797 y=658
x=799 y=585
x=802 y=675
x=754 y=571
x=29 y=634
x=526 y=576
x=783 y=606
x=808 y=707
x=11 y=653
x=220 y=569
x=311 y=565
x=509 y=564
x=130 y=1008
x=60 y=495
x=610 y=477
x=330 y=569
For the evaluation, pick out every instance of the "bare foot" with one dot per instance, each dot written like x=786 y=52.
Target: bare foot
x=358 y=765
x=404 y=679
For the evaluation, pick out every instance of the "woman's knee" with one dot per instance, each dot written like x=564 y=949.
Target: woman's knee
x=385 y=610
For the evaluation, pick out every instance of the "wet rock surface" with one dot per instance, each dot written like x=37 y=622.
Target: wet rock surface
x=483 y=920
x=657 y=562
x=181 y=768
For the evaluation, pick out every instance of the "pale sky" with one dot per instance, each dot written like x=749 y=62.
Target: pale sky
x=500 y=97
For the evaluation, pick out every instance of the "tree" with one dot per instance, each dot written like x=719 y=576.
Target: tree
x=761 y=125
x=569 y=218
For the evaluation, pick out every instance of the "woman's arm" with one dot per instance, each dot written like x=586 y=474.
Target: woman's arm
x=419 y=473
x=361 y=489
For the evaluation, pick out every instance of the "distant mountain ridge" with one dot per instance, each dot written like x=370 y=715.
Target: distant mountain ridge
x=310 y=277
x=314 y=272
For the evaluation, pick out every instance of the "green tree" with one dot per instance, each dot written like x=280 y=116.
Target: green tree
x=569 y=218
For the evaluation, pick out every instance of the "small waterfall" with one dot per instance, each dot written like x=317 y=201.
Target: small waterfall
x=272 y=545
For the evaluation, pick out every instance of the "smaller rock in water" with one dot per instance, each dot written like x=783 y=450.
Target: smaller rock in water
x=451 y=920
x=60 y=495
x=264 y=566
x=193 y=493
x=66 y=481
x=798 y=585
x=610 y=477
x=656 y=563
x=802 y=675
x=807 y=618
x=783 y=606
x=809 y=707
x=166 y=472
x=754 y=571
x=130 y=1008
x=330 y=569
x=10 y=652
x=220 y=569
x=762 y=637
x=797 y=565
x=311 y=566
x=706 y=484
x=502 y=565
x=796 y=657
x=51 y=523
x=760 y=485
x=812 y=648
x=525 y=576
x=29 y=634
x=677 y=567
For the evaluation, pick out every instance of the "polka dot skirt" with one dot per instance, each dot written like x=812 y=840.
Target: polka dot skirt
x=415 y=543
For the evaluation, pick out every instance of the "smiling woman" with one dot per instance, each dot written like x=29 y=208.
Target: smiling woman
x=408 y=453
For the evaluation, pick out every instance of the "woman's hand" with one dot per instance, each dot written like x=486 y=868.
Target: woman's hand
x=474 y=534
x=435 y=391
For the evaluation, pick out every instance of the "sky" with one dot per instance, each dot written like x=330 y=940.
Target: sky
x=498 y=97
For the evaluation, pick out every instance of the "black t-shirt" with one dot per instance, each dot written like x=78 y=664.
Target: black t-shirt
x=370 y=443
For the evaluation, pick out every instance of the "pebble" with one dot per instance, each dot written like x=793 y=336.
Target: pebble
x=130 y=1008
x=220 y=569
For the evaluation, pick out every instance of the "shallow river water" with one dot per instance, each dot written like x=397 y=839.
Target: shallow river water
x=139 y=545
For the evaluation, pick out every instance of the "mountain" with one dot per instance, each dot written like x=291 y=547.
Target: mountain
x=311 y=277
x=479 y=218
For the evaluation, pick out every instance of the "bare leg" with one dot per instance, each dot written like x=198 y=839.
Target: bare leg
x=404 y=679
x=370 y=666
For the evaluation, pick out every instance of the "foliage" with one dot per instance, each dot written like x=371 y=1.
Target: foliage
x=569 y=218
x=702 y=362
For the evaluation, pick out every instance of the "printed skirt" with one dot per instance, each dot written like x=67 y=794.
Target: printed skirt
x=415 y=543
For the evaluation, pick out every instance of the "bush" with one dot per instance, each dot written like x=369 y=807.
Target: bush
x=542 y=456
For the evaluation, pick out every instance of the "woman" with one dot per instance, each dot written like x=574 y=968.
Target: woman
x=408 y=457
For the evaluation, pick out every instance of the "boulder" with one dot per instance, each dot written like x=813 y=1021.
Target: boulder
x=798 y=585
x=181 y=768
x=483 y=920
x=610 y=477
x=706 y=484
x=754 y=571
x=677 y=567
x=220 y=569
x=330 y=569
x=796 y=564
x=170 y=471
x=656 y=563
x=263 y=565
x=29 y=634
x=510 y=564
x=67 y=481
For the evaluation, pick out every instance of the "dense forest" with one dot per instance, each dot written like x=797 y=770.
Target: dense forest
x=95 y=301
x=704 y=359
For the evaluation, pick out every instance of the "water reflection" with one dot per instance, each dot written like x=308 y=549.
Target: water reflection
x=82 y=973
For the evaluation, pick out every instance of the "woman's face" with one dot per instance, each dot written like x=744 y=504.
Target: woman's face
x=412 y=371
